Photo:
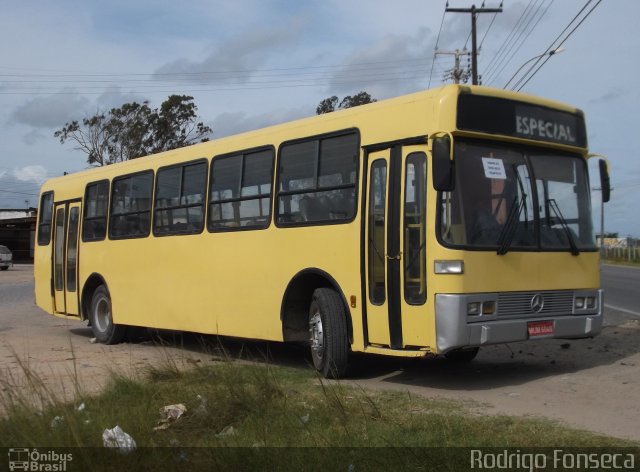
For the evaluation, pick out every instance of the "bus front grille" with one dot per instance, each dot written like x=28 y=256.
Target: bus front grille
x=526 y=304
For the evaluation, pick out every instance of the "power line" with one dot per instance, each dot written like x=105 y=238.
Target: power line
x=369 y=72
x=491 y=65
x=19 y=193
x=435 y=49
x=517 y=40
x=528 y=34
x=236 y=71
x=551 y=46
x=559 y=45
x=490 y=25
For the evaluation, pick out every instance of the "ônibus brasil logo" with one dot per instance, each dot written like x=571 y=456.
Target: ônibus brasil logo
x=34 y=460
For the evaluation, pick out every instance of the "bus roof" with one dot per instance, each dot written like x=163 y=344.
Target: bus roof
x=441 y=97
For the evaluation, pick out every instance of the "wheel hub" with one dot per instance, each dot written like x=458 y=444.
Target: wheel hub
x=316 y=335
x=102 y=314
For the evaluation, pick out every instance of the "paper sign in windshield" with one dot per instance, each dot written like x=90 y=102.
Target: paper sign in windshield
x=493 y=168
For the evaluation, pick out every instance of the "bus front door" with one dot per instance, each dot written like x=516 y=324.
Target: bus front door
x=65 y=258
x=395 y=247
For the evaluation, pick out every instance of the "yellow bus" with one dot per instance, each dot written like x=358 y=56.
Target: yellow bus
x=430 y=224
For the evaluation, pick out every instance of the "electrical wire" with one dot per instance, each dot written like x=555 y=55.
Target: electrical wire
x=490 y=25
x=559 y=45
x=553 y=42
x=520 y=36
x=411 y=69
x=435 y=49
x=540 y=17
x=491 y=65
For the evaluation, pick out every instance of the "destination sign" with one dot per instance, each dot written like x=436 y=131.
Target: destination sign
x=520 y=119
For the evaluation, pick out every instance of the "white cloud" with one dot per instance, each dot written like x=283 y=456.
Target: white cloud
x=33 y=173
x=51 y=111
x=393 y=65
x=230 y=123
x=234 y=60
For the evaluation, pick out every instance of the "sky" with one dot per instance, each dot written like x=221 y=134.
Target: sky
x=253 y=63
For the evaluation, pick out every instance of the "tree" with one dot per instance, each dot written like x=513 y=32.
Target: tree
x=329 y=104
x=135 y=130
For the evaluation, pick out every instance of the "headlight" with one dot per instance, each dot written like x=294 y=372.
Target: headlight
x=449 y=267
x=473 y=308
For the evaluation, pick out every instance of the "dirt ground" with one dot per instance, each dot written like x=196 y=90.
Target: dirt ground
x=592 y=384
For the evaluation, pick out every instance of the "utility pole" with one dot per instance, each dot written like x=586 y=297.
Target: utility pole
x=457 y=73
x=599 y=189
x=474 y=42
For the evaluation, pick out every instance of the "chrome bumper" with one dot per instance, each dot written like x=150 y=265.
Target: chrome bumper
x=456 y=329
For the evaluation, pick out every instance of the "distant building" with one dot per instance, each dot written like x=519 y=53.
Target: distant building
x=18 y=232
x=618 y=242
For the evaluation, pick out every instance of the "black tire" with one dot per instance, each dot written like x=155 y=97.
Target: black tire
x=462 y=355
x=102 y=325
x=328 y=333
x=4 y=268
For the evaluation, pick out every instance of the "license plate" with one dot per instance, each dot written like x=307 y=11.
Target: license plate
x=540 y=328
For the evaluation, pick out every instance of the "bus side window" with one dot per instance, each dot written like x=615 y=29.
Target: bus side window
x=130 y=215
x=44 y=223
x=179 y=199
x=240 y=194
x=96 y=198
x=317 y=180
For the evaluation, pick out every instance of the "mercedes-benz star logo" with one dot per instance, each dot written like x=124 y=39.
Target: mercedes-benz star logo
x=537 y=303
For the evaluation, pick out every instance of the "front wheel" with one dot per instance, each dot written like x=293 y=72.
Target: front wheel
x=328 y=333
x=462 y=355
x=102 y=325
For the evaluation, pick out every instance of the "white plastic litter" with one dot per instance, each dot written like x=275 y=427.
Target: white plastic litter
x=201 y=409
x=170 y=414
x=80 y=407
x=173 y=412
x=116 y=437
x=57 y=421
x=227 y=431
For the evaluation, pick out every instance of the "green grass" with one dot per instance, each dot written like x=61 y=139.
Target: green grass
x=266 y=407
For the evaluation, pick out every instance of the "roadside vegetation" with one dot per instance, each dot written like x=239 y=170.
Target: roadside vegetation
x=261 y=416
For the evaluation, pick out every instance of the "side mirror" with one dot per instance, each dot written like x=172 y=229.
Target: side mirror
x=605 y=183
x=442 y=165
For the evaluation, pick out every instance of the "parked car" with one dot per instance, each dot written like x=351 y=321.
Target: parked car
x=6 y=258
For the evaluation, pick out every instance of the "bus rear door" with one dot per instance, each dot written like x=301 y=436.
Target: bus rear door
x=65 y=258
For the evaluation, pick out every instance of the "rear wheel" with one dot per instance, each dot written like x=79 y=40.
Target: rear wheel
x=462 y=355
x=101 y=317
x=328 y=333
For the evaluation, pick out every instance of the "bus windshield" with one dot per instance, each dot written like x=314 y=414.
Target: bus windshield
x=510 y=198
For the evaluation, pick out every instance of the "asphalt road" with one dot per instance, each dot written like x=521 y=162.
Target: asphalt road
x=622 y=289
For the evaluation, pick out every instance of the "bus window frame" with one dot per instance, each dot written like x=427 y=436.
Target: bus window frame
x=113 y=184
x=86 y=206
x=40 y=213
x=154 y=192
x=356 y=184
x=539 y=146
x=242 y=152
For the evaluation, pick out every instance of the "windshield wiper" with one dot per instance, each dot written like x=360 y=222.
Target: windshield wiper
x=572 y=242
x=509 y=229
